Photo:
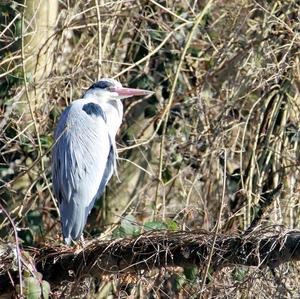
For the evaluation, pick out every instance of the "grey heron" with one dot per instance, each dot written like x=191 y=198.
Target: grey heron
x=84 y=154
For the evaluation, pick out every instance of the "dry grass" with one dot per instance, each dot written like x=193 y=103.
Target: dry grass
x=230 y=96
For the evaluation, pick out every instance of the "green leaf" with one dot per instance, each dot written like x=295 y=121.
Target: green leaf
x=26 y=236
x=32 y=288
x=127 y=228
x=240 y=274
x=191 y=273
x=150 y=111
x=46 y=289
x=172 y=225
x=55 y=112
x=46 y=141
x=166 y=175
x=178 y=282
x=155 y=225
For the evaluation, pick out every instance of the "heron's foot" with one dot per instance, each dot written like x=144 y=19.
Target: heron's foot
x=80 y=244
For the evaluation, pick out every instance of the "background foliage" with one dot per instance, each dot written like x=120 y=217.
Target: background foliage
x=198 y=159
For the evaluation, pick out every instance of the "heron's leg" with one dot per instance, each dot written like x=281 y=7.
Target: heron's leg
x=82 y=241
x=83 y=245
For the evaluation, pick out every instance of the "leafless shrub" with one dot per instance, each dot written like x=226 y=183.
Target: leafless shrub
x=229 y=133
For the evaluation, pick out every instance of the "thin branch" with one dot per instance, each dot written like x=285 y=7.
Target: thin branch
x=266 y=200
x=172 y=93
x=152 y=52
x=17 y=246
x=99 y=40
x=170 y=12
x=217 y=224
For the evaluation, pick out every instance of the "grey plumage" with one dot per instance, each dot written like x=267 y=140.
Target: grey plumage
x=84 y=155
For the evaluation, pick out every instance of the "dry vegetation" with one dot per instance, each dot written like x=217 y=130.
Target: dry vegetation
x=221 y=129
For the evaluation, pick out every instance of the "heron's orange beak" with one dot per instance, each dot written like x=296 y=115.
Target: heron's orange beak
x=130 y=92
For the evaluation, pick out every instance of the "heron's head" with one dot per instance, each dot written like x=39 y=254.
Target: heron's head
x=110 y=89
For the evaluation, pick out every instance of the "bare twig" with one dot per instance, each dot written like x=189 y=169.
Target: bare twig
x=266 y=200
x=169 y=35
x=99 y=40
x=218 y=224
x=17 y=248
x=166 y=114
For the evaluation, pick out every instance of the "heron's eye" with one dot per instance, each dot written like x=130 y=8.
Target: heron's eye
x=110 y=88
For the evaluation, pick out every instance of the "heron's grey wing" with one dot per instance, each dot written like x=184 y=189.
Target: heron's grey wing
x=111 y=167
x=56 y=153
x=78 y=164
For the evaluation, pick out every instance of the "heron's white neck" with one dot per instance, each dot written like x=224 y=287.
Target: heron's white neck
x=113 y=108
x=114 y=114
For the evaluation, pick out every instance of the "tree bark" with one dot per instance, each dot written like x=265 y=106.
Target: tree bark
x=40 y=18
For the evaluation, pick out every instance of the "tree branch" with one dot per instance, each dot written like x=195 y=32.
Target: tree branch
x=164 y=249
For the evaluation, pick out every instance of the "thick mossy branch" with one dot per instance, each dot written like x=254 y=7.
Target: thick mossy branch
x=164 y=249
x=160 y=249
